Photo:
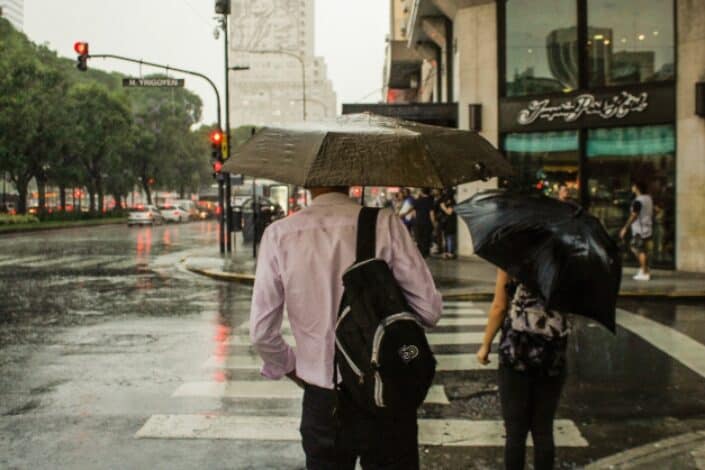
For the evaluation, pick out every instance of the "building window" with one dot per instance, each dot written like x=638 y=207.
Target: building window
x=630 y=42
x=543 y=160
x=541 y=49
x=619 y=156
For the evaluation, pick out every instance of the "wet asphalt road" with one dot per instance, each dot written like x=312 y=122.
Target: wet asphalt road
x=101 y=330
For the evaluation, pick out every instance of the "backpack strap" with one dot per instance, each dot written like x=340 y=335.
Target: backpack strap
x=366 y=234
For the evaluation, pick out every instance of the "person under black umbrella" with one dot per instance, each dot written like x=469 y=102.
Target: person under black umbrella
x=553 y=259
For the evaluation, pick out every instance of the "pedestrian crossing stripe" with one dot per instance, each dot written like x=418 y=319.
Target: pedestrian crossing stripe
x=269 y=389
x=21 y=261
x=446 y=362
x=458 y=303
x=443 y=322
x=432 y=432
x=434 y=339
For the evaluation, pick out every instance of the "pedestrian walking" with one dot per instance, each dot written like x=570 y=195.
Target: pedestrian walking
x=450 y=226
x=439 y=219
x=406 y=212
x=641 y=221
x=532 y=357
x=301 y=264
x=424 y=221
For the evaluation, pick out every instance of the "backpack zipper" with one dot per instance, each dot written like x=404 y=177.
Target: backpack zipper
x=376 y=345
x=353 y=366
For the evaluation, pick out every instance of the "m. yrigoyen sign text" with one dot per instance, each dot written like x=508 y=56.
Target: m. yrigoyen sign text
x=153 y=82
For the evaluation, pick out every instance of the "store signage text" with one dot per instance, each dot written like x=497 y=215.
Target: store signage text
x=615 y=107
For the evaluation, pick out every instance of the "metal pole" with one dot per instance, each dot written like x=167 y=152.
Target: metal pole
x=254 y=218
x=228 y=183
x=303 y=82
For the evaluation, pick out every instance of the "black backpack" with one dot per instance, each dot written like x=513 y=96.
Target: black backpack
x=384 y=359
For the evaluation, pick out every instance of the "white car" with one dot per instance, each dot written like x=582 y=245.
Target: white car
x=147 y=215
x=174 y=214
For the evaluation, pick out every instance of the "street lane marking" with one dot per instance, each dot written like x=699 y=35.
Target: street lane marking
x=434 y=339
x=67 y=260
x=432 y=432
x=270 y=389
x=446 y=362
x=680 y=347
x=21 y=261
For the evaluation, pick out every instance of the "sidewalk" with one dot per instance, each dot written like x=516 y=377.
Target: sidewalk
x=467 y=278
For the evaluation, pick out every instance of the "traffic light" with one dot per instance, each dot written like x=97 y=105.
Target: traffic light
x=81 y=49
x=216 y=137
x=222 y=7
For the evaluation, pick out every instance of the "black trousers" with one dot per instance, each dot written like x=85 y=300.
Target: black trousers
x=529 y=403
x=335 y=433
x=424 y=235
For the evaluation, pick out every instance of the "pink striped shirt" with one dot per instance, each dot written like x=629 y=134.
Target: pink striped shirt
x=300 y=266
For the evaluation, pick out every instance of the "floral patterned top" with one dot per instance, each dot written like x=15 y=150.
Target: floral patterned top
x=533 y=338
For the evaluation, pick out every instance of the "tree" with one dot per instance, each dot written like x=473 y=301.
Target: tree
x=102 y=124
x=30 y=99
x=167 y=154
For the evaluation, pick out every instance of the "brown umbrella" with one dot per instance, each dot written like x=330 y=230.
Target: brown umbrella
x=368 y=150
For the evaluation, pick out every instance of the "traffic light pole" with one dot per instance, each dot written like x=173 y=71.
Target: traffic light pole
x=228 y=182
x=220 y=126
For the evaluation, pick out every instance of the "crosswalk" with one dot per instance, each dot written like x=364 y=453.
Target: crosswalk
x=237 y=380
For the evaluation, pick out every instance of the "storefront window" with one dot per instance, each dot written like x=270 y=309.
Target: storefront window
x=630 y=42
x=542 y=52
x=619 y=156
x=542 y=161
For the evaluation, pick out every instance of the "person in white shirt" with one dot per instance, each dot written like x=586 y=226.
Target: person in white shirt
x=641 y=221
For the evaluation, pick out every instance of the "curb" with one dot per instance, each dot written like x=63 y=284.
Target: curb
x=239 y=278
x=650 y=453
x=243 y=278
x=40 y=228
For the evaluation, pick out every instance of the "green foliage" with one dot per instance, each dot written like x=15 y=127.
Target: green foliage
x=17 y=219
x=70 y=129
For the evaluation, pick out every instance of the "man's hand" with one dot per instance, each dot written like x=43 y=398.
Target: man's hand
x=295 y=378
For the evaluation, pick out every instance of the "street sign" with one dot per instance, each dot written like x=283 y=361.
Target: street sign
x=153 y=82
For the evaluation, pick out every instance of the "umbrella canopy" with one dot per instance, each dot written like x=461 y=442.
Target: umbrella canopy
x=554 y=247
x=367 y=150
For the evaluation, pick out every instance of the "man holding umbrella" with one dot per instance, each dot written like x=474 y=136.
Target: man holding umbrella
x=303 y=257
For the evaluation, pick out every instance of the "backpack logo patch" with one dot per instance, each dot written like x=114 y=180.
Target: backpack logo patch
x=408 y=353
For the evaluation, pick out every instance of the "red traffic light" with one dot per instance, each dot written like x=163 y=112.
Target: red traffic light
x=217 y=166
x=81 y=48
x=216 y=137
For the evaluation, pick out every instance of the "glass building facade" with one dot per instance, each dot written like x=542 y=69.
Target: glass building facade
x=587 y=99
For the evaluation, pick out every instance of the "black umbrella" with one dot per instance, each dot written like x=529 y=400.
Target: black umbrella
x=367 y=150
x=555 y=248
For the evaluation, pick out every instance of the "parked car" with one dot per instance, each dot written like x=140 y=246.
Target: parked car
x=147 y=215
x=174 y=214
